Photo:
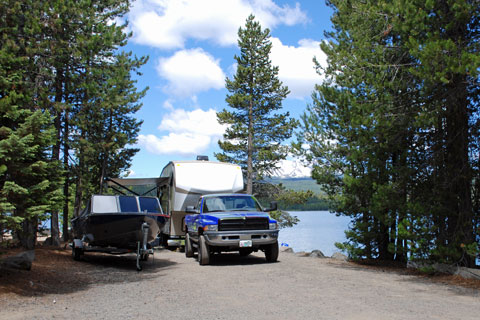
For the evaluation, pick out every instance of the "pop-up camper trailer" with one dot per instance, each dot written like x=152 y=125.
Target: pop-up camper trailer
x=187 y=181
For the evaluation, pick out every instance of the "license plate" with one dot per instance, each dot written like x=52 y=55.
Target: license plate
x=245 y=243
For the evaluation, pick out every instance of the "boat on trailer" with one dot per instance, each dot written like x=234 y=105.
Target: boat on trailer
x=118 y=224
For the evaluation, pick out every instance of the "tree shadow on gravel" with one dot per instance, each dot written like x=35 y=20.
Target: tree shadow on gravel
x=125 y=262
x=233 y=258
x=55 y=272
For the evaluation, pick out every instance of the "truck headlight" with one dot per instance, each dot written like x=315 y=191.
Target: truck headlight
x=211 y=227
x=273 y=226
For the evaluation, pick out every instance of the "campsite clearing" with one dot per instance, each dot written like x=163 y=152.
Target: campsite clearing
x=233 y=287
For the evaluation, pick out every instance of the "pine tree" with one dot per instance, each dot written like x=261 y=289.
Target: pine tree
x=29 y=178
x=255 y=133
x=389 y=135
x=105 y=102
x=63 y=81
x=106 y=125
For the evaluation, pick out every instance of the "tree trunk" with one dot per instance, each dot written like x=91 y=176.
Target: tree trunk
x=384 y=240
x=250 y=150
x=460 y=223
x=78 y=196
x=54 y=227
x=28 y=234
x=67 y=182
x=102 y=173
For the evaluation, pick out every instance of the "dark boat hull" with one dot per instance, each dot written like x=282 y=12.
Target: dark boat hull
x=119 y=230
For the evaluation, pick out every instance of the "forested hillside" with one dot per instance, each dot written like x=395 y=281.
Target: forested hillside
x=317 y=202
x=299 y=184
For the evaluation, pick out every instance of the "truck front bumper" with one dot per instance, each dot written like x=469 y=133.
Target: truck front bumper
x=232 y=238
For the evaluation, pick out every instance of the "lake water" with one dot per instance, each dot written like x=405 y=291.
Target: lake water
x=317 y=230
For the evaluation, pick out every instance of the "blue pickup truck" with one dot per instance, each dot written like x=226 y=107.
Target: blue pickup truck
x=230 y=222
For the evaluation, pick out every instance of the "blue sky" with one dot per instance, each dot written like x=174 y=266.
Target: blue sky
x=191 y=45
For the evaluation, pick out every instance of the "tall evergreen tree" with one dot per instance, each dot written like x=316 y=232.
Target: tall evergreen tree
x=61 y=64
x=29 y=178
x=255 y=133
x=105 y=100
x=389 y=135
x=106 y=125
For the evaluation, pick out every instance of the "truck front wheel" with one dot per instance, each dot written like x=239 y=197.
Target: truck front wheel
x=271 y=252
x=203 y=251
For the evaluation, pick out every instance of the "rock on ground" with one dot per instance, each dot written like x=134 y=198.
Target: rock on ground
x=21 y=261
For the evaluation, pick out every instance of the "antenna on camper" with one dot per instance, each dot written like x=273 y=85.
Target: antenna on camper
x=202 y=158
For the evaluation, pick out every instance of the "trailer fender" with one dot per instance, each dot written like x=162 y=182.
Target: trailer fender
x=77 y=243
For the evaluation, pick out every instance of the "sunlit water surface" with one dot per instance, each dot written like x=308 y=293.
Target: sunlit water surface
x=317 y=230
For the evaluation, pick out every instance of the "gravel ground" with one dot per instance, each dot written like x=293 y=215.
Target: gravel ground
x=174 y=287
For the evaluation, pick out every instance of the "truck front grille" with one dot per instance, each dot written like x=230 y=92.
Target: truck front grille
x=248 y=223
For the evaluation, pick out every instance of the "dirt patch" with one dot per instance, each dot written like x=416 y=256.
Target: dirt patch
x=52 y=270
x=443 y=278
x=55 y=271
x=102 y=286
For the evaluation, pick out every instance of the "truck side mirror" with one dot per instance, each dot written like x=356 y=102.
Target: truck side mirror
x=190 y=209
x=273 y=206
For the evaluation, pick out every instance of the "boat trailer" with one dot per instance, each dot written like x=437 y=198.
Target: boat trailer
x=142 y=251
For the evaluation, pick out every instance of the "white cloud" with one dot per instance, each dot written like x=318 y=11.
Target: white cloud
x=196 y=121
x=168 y=24
x=174 y=143
x=296 y=68
x=168 y=105
x=190 y=133
x=293 y=169
x=190 y=71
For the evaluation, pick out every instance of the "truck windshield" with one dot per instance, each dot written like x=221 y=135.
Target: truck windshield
x=230 y=203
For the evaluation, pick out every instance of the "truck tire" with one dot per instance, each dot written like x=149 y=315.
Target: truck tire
x=188 y=246
x=203 y=251
x=271 y=252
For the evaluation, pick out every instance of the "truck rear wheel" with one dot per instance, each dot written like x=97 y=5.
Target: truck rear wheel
x=188 y=246
x=203 y=251
x=271 y=252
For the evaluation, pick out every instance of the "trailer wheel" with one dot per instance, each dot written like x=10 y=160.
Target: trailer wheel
x=203 y=251
x=188 y=246
x=271 y=252
x=76 y=252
